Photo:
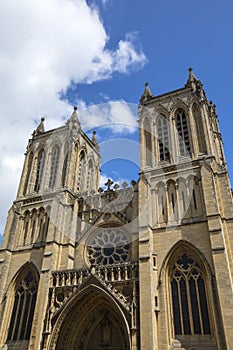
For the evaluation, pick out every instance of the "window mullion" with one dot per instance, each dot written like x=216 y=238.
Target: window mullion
x=30 y=295
x=16 y=313
x=22 y=314
x=180 y=306
x=199 y=306
x=189 y=304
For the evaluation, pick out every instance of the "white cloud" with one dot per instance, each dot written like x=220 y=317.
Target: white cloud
x=45 y=45
x=119 y=116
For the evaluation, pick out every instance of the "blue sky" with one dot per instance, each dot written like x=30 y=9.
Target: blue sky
x=174 y=35
x=65 y=52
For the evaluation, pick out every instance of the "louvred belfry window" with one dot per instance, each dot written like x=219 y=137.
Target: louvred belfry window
x=54 y=166
x=23 y=308
x=189 y=301
x=163 y=138
x=183 y=133
x=40 y=170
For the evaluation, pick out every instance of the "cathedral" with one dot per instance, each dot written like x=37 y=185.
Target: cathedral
x=140 y=266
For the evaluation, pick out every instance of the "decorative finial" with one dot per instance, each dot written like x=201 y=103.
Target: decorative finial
x=74 y=115
x=40 y=129
x=109 y=183
x=192 y=80
x=94 y=140
x=147 y=94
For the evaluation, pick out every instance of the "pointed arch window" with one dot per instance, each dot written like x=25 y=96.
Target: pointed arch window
x=189 y=300
x=199 y=127
x=148 y=142
x=29 y=168
x=82 y=170
x=40 y=170
x=64 y=170
x=183 y=133
x=90 y=176
x=54 y=166
x=163 y=138
x=23 y=308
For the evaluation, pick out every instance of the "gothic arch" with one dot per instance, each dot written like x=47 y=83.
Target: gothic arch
x=75 y=326
x=179 y=104
x=91 y=174
x=28 y=266
x=161 y=110
x=20 y=300
x=54 y=165
x=28 y=171
x=183 y=245
x=185 y=271
x=147 y=134
x=65 y=158
x=82 y=169
x=198 y=120
x=40 y=166
x=162 y=202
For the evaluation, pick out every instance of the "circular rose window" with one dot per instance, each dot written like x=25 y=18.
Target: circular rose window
x=108 y=246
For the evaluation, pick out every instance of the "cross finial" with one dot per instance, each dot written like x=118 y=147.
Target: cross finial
x=109 y=183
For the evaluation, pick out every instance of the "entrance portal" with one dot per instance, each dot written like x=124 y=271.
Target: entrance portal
x=92 y=322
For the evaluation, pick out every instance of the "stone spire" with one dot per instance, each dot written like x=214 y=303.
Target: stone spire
x=74 y=115
x=147 y=94
x=40 y=129
x=196 y=85
x=192 y=80
x=74 y=124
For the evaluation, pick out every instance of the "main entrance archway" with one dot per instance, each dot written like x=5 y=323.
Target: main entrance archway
x=93 y=320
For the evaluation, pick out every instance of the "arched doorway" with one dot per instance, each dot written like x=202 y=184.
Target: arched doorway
x=92 y=320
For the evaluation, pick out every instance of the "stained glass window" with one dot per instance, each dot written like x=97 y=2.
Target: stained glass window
x=190 y=309
x=23 y=308
x=108 y=246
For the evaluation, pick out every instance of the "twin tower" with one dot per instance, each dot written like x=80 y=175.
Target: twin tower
x=142 y=267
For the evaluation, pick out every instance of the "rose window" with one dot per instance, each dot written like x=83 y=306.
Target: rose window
x=108 y=246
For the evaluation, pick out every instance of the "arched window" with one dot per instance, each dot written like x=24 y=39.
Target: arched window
x=189 y=300
x=90 y=176
x=23 y=308
x=29 y=167
x=33 y=225
x=54 y=166
x=199 y=127
x=183 y=133
x=163 y=138
x=162 y=203
x=26 y=227
x=82 y=171
x=148 y=142
x=64 y=170
x=40 y=170
x=172 y=201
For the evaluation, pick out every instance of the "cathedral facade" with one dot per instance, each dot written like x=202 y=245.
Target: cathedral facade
x=144 y=266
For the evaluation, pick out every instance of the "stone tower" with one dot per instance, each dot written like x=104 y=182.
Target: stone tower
x=146 y=266
x=185 y=223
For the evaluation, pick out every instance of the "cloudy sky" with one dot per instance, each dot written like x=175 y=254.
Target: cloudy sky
x=59 y=53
